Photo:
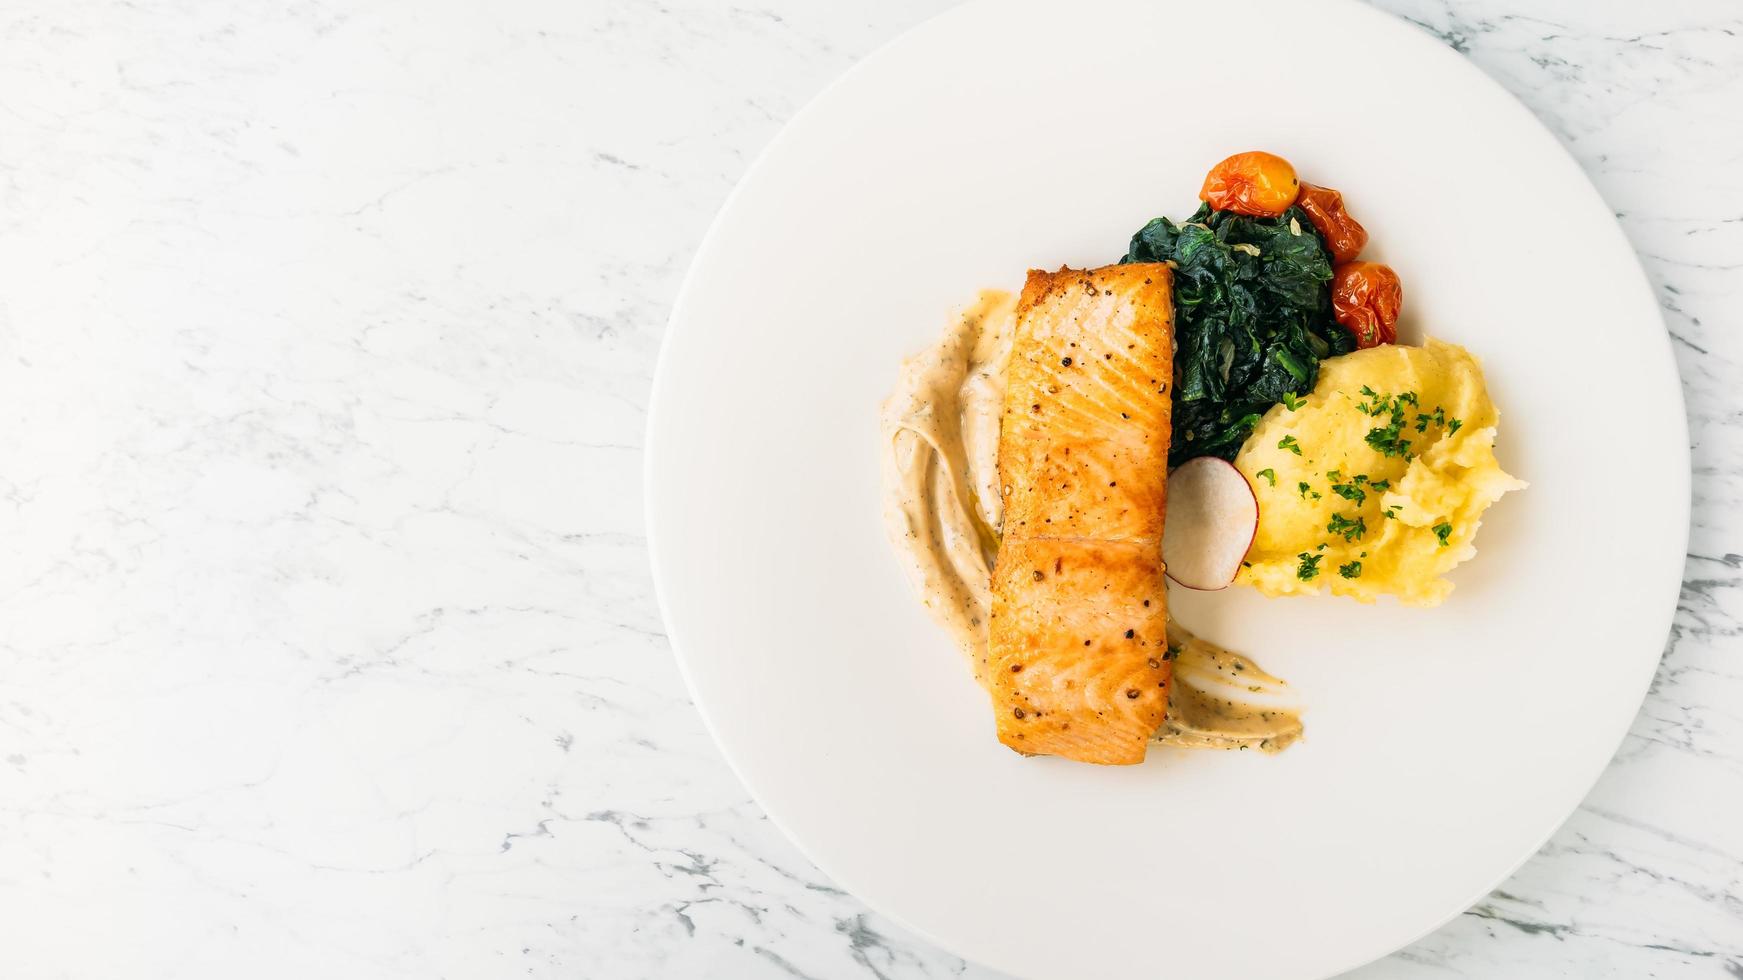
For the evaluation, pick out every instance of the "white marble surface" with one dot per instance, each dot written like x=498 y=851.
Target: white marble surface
x=327 y=644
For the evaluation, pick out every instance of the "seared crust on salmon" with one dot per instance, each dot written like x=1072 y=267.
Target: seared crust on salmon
x=1076 y=662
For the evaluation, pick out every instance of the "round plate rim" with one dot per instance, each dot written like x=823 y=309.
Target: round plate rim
x=660 y=401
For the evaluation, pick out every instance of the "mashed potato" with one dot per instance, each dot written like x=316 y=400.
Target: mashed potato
x=1377 y=481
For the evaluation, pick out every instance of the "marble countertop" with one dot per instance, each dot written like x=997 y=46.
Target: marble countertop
x=327 y=641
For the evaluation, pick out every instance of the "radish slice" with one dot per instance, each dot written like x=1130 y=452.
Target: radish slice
x=1212 y=517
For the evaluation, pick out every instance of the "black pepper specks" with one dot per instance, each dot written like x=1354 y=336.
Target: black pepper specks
x=1039 y=575
x=1153 y=663
x=1018 y=712
x=1016 y=668
x=1066 y=361
x=1132 y=693
x=1130 y=634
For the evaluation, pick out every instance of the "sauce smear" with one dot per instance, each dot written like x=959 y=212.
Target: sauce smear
x=943 y=507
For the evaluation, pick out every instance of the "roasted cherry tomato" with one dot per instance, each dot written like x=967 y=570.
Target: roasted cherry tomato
x=1366 y=298
x=1343 y=234
x=1254 y=183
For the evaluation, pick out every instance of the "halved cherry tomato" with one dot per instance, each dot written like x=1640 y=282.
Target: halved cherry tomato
x=1366 y=298
x=1343 y=234
x=1254 y=183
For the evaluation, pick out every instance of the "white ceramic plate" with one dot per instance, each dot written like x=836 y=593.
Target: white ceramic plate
x=1443 y=746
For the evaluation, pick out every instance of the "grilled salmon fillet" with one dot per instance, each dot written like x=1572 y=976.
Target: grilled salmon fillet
x=1076 y=660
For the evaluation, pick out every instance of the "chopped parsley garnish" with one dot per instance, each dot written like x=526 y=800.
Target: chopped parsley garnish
x=1384 y=440
x=1292 y=401
x=1305 y=490
x=1351 y=569
x=1351 y=530
x=1351 y=491
x=1388 y=439
x=1172 y=652
x=1442 y=531
x=1289 y=443
x=1380 y=486
x=1377 y=404
x=1439 y=417
x=1309 y=567
x=1269 y=474
x=1392 y=511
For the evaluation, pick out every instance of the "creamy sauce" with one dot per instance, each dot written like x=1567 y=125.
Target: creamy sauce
x=941 y=502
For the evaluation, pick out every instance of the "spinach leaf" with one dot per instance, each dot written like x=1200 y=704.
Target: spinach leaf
x=1252 y=320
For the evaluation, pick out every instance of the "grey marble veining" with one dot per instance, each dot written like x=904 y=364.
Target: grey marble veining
x=327 y=643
